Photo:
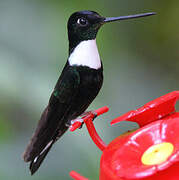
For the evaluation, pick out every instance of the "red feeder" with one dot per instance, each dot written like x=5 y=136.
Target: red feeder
x=151 y=152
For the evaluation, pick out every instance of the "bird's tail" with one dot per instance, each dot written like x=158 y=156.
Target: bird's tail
x=36 y=162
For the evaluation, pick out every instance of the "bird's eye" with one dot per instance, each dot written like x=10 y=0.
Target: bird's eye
x=82 y=21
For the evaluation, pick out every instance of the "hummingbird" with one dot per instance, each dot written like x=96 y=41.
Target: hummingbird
x=78 y=85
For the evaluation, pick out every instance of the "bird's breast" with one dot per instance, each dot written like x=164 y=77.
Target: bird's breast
x=90 y=84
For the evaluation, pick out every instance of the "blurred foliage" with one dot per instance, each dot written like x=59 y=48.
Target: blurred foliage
x=140 y=58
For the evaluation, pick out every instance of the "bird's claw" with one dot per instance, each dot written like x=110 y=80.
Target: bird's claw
x=78 y=122
x=88 y=113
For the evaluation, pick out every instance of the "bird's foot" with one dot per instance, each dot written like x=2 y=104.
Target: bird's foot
x=92 y=114
x=75 y=123
x=78 y=122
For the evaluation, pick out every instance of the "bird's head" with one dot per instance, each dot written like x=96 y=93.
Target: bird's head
x=84 y=25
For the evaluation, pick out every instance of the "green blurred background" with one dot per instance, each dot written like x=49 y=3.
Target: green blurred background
x=141 y=61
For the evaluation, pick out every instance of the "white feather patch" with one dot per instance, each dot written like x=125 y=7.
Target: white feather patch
x=86 y=54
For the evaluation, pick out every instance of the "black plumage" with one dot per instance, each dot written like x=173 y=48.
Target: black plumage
x=75 y=90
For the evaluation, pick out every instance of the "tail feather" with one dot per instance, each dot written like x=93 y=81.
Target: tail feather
x=39 y=139
x=36 y=162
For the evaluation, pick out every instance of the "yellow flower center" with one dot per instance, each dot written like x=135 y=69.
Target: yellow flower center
x=157 y=154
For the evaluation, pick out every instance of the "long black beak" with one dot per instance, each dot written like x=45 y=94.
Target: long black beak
x=110 y=19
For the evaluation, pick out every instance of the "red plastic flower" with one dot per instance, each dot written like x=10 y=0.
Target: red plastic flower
x=151 y=152
x=123 y=156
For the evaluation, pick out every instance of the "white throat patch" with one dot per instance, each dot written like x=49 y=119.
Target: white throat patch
x=86 y=54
